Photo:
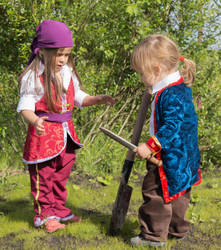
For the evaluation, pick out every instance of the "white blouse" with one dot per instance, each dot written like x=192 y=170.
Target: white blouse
x=32 y=92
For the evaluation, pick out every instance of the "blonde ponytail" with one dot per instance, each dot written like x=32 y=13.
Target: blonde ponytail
x=188 y=71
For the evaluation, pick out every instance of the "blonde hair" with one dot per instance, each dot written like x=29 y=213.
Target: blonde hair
x=46 y=56
x=160 y=50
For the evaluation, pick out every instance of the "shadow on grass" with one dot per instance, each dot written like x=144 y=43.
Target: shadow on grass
x=17 y=210
x=102 y=219
x=22 y=210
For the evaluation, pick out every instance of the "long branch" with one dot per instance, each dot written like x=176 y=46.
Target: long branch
x=95 y=124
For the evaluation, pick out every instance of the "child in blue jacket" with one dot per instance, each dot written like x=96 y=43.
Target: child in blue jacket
x=173 y=141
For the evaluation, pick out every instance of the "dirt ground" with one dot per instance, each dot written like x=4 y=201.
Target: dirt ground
x=194 y=241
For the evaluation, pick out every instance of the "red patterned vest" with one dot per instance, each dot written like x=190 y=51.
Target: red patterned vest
x=40 y=148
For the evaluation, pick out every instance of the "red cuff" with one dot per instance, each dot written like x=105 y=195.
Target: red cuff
x=154 y=145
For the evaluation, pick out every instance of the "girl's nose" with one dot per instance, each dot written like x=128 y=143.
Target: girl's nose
x=62 y=59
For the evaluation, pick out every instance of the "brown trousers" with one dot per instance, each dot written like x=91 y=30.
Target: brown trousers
x=157 y=218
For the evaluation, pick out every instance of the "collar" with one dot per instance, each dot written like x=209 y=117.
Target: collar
x=174 y=77
x=41 y=69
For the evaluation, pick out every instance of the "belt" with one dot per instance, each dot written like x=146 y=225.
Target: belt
x=55 y=117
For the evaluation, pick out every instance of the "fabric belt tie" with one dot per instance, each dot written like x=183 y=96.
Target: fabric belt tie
x=56 y=117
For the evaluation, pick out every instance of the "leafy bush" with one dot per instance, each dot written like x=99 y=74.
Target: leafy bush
x=105 y=33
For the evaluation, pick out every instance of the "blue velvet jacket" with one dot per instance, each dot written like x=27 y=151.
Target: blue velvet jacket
x=176 y=139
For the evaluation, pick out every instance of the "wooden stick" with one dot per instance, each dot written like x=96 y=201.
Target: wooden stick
x=124 y=191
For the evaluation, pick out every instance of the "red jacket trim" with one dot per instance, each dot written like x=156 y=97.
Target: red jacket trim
x=153 y=144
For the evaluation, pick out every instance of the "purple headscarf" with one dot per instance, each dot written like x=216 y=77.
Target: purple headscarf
x=51 y=34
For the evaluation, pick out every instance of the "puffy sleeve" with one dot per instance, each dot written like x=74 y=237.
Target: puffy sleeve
x=79 y=94
x=30 y=92
x=171 y=113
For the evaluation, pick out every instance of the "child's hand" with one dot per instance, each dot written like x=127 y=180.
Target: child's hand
x=143 y=152
x=98 y=99
x=39 y=125
x=105 y=99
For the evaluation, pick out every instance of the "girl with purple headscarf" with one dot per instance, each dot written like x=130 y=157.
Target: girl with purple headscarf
x=50 y=88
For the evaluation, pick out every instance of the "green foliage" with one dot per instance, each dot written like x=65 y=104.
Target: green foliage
x=12 y=128
x=105 y=181
x=207 y=98
x=105 y=33
x=206 y=194
x=103 y=157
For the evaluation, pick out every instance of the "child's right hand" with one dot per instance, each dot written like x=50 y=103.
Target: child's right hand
x=143 y=152
x=39 y=125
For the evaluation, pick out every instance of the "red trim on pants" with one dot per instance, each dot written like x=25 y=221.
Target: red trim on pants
x=48 y=181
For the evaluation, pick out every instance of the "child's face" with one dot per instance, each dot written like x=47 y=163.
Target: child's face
x=151 y=78
x=61 y=58
x=147 y=79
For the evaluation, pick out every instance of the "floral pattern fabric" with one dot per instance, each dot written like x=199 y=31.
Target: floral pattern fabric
x=40 y=148
x=175 y=127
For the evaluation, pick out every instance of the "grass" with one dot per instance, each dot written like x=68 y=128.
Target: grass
x=94 y=203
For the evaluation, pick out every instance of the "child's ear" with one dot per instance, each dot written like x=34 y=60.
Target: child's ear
x=157 y=70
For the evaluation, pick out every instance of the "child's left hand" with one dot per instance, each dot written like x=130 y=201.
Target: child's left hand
x=98 y=99
x=105 y=99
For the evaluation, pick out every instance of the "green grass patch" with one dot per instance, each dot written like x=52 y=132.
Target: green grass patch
x=94 y=203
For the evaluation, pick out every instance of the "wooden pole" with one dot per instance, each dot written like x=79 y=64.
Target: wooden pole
x=122 y=201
